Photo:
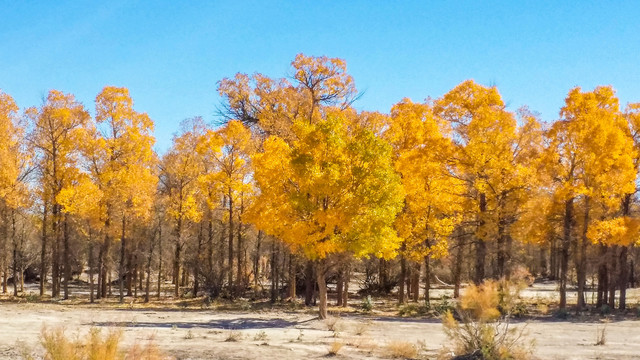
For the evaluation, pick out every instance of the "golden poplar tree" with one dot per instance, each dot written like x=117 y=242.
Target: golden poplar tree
x=332 y=191
x=228 y=151
x=484 y=135
x=58 y=127
x=179 y=171
x=432 y=205
x=14 y=167
x=590 y=157
x=121 y=161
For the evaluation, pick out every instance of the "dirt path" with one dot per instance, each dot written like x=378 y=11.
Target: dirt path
x=283 y=335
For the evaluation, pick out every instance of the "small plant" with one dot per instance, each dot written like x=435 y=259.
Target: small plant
x=233 y=336
x=31 y=297
x=367 y=304
x=601 y=335
x=561 y=314
x=482 y=332
x=94 y=345
x=605 y=310
x=260 y=336
x=300 y=336
x=413 y=310
x=174 y=327
x=332 y=323
x=401 y=350
x=443 y=306
x=189 y=335
x=362 y=328
x=334 y=348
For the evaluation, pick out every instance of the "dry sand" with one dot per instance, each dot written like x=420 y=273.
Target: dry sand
x=203 y=334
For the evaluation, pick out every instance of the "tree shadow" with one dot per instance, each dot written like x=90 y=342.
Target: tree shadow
x=223 y=324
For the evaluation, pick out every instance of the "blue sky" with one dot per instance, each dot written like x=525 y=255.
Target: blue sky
x=170 y=54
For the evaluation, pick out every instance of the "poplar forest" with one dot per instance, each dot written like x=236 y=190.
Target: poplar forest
x=453 y=208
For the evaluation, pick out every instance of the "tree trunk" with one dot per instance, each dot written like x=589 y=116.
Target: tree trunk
x=148 y=267
x=427 y=278
x=457 y=272
x=602 y=277
x=105 y=261
x=210 y=274
x=582 y=260
x=415 y=282
x=481 y=245
x=339 y=286
x=383 y=276
x=159 y=259
x=274 y=272
x=91 y=285
x=256 y=262
x=401 y=283
x=121 y=272
x=566 y=243
x=177 y=259
x=55 y=256
x=100 y=278
x=196 y=263
x=623 y=279
x=240 y=262
x=43 y=250
x=15 y=255
x=230 y=254
x=309 y=283
x=322 y=288
x=613 y=259
x=345 y=289
x=500 y=243
x=292 y=277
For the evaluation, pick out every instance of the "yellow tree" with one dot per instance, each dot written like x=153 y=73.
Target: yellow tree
x=121 y=161
x=591 y=157
x=14 y=162
x=332 y=191
x=179 y=171
x=484 y=134
x=432 y=204
x=58 y=126
x=83 y=199
x=228 y=151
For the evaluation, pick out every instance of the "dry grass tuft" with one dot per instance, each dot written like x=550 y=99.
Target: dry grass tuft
x=332 y=323
x=481 y=332
x=401 y=350
x=362 y=327
x=94 y=346
x=334 y=348
x=233 y=336
x=601 y=335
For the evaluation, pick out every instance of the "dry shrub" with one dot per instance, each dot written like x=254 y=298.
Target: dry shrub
x=94 y=346
x=59 y=347
x=521 y=274
x=233 y=336
x=481 y=302
x=334 y=348
x=482 y=333
x=148 y=351
x=362 y=327
x=332 y=323
x=401 y=350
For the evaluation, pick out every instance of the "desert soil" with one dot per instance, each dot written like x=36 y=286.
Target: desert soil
x=204 y=334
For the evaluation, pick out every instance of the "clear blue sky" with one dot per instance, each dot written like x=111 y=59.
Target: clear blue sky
x=170 y=54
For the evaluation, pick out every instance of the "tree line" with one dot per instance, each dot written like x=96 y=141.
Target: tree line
x=294 y=188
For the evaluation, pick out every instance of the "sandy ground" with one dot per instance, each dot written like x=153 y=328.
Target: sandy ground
x=203 y=334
